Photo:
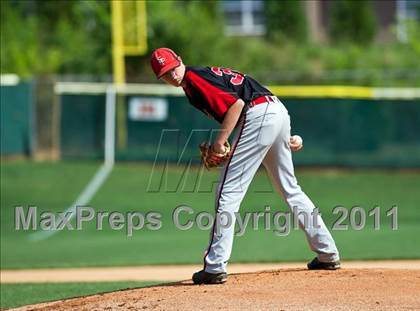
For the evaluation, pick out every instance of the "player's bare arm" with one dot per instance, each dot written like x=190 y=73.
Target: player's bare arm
x=229 y=122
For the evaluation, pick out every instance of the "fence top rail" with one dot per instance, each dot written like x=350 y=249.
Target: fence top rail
x=313 y=91
x=101 y=88
x=9 y=80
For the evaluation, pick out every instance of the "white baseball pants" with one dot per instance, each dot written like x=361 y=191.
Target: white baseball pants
x=263 y=137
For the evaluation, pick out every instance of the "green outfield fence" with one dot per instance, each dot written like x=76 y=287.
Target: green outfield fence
x=16 y=121
x=341 y=126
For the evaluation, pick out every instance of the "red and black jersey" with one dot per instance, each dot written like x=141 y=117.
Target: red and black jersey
x=214 y=89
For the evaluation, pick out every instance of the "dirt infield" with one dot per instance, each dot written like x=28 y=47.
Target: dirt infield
x=283 y=289
x=287 y=289
x=168 y=272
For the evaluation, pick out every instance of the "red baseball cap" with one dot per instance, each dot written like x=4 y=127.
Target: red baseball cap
x=163 y=60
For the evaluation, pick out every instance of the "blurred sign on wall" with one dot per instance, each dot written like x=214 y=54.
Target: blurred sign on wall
x=148 y=109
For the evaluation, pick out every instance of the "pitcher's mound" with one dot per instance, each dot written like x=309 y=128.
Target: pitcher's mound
x=285 y=289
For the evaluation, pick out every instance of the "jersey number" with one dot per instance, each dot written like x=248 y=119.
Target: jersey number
x=236 y=79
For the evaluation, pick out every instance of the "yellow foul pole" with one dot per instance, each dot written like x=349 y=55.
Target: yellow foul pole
x=117 y=42
x=119 y=69
x=129 y=37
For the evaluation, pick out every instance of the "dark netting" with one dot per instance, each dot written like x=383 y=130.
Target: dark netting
x=16 y=119
x=82 y=126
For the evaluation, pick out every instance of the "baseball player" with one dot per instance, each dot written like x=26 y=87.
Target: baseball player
x=263 y=136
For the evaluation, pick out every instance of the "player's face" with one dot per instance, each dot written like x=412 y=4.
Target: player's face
x=174 y=77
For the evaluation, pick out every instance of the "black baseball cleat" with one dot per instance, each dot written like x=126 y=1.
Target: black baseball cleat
x=315 y=264
x=203 y=277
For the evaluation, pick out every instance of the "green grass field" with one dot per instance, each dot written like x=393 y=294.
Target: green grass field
x=14 y=295
x=52 y=187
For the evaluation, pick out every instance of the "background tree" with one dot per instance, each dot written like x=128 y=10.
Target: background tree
x=43 y=37
x=286 y=18
x=352 y=21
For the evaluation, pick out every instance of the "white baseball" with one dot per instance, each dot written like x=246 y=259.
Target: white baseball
x=296 y=142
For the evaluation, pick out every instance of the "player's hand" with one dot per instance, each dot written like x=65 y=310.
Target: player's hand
x=218 y=148
x=295 y=142
x=213 y=158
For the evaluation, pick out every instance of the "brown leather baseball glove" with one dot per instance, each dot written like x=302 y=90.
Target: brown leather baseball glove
x=211 y=158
